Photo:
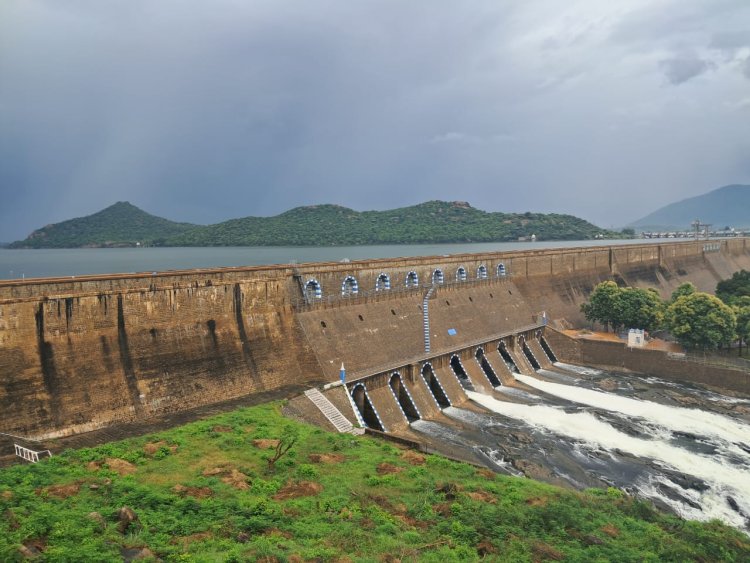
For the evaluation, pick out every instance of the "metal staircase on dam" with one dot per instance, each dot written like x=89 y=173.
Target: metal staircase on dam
x=329 y=410
x=426 y=319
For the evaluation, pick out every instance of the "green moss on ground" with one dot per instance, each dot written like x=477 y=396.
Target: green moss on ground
x=203 y=492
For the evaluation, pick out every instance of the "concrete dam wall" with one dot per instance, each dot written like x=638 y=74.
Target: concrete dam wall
x=82 y=353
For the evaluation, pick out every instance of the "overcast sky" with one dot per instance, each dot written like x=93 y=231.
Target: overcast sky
x=205 y=111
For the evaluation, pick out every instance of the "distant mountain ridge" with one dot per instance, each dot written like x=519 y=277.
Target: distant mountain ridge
x=124 y=224
x=728 y=206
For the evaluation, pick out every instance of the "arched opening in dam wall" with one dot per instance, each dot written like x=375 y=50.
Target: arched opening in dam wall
x=365 y=407
x=86 y=352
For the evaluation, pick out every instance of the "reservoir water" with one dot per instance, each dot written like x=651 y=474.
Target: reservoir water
x=81 y=261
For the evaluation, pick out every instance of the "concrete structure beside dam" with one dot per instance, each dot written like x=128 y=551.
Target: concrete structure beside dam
x=77 y=354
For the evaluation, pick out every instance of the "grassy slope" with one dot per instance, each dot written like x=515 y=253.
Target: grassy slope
x=360 y=512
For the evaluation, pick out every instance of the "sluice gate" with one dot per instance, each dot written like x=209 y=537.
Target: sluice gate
x=394 y=398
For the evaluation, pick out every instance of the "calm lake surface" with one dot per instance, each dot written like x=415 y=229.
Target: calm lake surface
x=80 y=261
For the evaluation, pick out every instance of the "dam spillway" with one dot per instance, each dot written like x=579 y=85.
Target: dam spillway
x=82 y=353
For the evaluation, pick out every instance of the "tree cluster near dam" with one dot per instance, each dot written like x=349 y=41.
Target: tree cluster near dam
x=698 y=320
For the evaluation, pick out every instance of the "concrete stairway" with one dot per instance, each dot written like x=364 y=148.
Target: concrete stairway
x=333 y=414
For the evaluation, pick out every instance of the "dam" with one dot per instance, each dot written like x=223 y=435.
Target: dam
x=78 y=354
x=465 y=355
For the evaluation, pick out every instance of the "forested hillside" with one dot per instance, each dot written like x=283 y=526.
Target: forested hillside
x=318 y=225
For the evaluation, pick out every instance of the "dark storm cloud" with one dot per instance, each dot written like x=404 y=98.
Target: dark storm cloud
x=202 y=112
x=682 y=69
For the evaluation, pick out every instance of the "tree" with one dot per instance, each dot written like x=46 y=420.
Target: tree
x=288 y=438
x=640 y=308
x=742 y=311
x=700 y=320
x=736 y=286
x=604 y=304
x=686 y=288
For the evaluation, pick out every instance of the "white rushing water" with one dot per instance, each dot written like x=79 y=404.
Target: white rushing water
x=722 y=477
x=694 y=421
x=578 y=369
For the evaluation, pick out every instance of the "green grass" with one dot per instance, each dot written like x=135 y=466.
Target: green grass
x=439 y=510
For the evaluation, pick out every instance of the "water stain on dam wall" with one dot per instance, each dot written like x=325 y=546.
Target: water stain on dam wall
x=78 y=354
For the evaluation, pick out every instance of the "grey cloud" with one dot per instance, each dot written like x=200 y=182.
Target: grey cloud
x=682 y=69
x=203 y=112
x=731 y=40
x=746 y=67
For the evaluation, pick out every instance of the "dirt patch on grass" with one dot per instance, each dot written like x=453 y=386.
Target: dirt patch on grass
x=485 y=548
x=482 y=496
x=300 y=489
x=275 y=532
x=229 y=475
x=413 y=457
x=213 y=471
x=412 y=522
x=94 y=465
x=326 y=458
x=60 y=491
x=152 y=447
x=386 y=468
x=195 y=492
x=611 y=530
x=222 y=428
x=33 y=549
x=6 y=495
x=443 y=508
x=544 y=552
x=120 y=466
x=449 y=490
x=486 y=473
x=185 y=541
x=265 y=444
x=236 y=479
x=537 y=501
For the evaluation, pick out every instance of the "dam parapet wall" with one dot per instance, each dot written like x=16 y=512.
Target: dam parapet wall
x=81 y=353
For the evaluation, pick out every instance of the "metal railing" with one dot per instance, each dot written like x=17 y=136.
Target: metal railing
x=713 y=360
x=31 y=455
x=395 y=366
x=307 y=302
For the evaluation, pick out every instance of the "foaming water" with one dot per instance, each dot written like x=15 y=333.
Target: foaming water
x=519 y=393
x=674 y=418
x=723 y=479
x=706 y=394
x=580 y=370
x=554 y=375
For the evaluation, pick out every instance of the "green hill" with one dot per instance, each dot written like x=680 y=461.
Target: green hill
x=728 y=206
x=121 y=224
x=315 y=225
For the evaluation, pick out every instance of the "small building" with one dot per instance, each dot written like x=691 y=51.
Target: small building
x=636 y=338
